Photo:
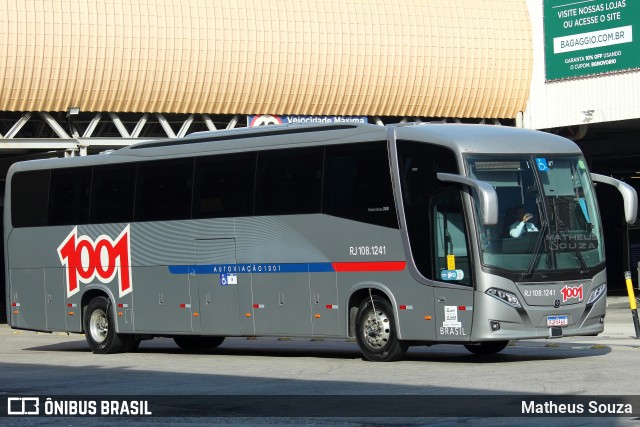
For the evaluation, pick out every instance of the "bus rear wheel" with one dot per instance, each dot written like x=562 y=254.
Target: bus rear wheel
x=100 y=329
x=195 y=343
x=376 y=331
x=488 y=347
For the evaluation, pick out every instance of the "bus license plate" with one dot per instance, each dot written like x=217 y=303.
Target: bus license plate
x=557 y=320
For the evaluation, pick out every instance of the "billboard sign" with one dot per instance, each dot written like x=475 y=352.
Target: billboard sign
x=269 y=119
x=590 y=37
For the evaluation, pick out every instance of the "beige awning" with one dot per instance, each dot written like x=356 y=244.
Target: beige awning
x=455 y=58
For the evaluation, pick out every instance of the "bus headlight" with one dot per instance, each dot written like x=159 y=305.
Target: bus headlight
x=596 y=293
x=505 y=296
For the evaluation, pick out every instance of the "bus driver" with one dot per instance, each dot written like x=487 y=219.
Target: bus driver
x=522 y=225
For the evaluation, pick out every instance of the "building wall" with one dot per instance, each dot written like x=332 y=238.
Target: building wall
x=337 y=57
x=595 y=99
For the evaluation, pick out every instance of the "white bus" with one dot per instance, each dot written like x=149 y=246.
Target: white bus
x=395 y=236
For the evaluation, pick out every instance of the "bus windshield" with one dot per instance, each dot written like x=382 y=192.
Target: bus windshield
x=548 y=219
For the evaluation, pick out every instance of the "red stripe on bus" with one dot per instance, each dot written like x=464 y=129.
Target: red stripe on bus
x=361 y=267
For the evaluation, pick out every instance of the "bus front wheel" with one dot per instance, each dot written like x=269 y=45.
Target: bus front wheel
x=376 y=331
x=488 y=347
x=100 y=329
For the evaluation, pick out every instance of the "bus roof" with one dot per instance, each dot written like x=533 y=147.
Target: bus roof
x=462 y=138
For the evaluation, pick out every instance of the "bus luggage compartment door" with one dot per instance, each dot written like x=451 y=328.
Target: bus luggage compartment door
x=56 y=303
x=162 y=300
x=281 y=302
x=27 y=299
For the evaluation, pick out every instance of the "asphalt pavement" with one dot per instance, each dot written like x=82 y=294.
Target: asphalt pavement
x=251 y=372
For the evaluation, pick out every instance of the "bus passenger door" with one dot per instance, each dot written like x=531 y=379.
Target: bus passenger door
x=218 y=286
x=453 y=287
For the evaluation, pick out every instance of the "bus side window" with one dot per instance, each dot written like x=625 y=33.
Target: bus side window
x=357 y=184
x=289 y=181
x=224 y=186
x=450 y=238
x=112 y=193
x=163 y=190
x=69 y=195
x=30 y=198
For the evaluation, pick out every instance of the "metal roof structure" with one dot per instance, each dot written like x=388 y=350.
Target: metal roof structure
x=75 y=71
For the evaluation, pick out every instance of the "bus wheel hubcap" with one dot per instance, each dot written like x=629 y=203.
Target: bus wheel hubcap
x=99 y=325
x=377 y=329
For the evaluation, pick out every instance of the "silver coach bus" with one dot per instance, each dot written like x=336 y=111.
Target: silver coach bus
x=397 y=236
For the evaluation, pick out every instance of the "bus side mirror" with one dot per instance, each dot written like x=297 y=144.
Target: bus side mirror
x=486 y=195
x=629 y=195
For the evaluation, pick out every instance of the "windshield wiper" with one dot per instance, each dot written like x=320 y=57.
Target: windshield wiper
x=580 y=258
x=536 y=252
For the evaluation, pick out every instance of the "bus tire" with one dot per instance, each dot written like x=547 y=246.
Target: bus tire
x=488 y=347
x=376 y=331
x=100 y=328
x=197 y=342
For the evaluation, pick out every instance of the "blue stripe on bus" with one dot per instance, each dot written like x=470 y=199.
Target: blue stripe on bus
x=316 y=267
